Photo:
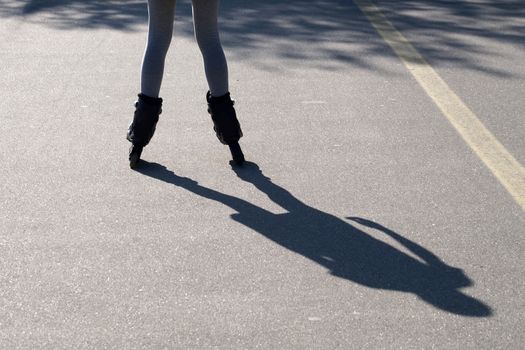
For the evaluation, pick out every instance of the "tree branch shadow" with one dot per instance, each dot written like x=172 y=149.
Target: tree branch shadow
x=125 y=15
x=345 y=250
x=315 y=33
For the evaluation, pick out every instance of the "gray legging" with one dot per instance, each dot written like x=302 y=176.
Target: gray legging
x=161 y=17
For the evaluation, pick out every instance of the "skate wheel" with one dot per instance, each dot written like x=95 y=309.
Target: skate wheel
x=237 y=155
x=134 y=156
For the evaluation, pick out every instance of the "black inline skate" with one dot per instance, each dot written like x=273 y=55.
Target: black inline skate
x=225 y=124
x=141 y=130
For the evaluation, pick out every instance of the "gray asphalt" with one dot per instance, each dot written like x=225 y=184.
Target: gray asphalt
x=362 y=221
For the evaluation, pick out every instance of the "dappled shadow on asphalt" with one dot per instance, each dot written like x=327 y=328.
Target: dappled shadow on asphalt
x=447 y=32
x=79 y=14
x=318 y=32
x=345 y=250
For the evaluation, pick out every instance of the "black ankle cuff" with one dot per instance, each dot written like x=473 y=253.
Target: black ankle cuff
x=155 y=101
x=218 y=99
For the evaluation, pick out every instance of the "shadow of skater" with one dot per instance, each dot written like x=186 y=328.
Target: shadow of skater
x=345 y=250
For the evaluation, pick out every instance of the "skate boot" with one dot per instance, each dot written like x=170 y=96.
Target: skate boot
x=225 y=124
x=141 y=130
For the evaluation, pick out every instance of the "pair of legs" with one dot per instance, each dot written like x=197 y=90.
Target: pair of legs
x=161 y=16
x=149 y=106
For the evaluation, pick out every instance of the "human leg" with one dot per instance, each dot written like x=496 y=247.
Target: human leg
x=205 y=14
x=220 y=105
x=160 y=32
x=149 y=105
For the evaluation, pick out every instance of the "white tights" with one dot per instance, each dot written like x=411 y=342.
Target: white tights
x=161 y=14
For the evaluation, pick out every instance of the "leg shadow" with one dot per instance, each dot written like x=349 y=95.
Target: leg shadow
x=346 y=251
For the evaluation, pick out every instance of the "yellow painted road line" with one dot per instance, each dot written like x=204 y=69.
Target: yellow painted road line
x=503 y=165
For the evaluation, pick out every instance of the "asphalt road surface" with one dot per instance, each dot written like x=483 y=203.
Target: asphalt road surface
x=363 y=219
